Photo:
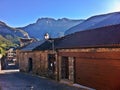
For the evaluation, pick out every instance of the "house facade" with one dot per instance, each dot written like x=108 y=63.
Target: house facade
x=38 y=58
x=33 y=62
x=91 y=58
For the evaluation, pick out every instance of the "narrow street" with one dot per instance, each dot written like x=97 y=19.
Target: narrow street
x=15 y=80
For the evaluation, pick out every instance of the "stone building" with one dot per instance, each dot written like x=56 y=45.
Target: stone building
x=38 y=58
x=26 y=57
x=91 y=58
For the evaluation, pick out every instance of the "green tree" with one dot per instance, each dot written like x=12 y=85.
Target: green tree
x=2 y=51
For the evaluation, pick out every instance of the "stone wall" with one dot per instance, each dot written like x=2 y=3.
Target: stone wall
x=71 y=70
x=40 y=62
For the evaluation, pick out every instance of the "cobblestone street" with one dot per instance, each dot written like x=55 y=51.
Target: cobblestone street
x=14 y=80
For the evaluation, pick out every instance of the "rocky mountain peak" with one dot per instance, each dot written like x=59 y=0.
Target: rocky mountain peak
x=53 y=26
x=41 y=20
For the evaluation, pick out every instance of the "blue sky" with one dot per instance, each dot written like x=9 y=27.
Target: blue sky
x=23 y=12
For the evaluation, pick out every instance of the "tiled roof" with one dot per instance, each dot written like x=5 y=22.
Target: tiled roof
x=26 y=39
x=47 y=45
x=100 y=37
x=32 y=46
x=41 y=45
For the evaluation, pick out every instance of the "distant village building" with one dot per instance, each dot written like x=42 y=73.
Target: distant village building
x=25 y=41
x=89 y=58
x=10 y=54
x=10 y=57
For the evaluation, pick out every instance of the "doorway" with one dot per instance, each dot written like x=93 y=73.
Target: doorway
x=65 y=68
x=51 y=63
x=30 y=65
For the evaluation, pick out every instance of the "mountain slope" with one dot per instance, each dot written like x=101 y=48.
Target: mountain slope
x=96 y=22
x=54 y=27
x=4 y=43
x=10 y=33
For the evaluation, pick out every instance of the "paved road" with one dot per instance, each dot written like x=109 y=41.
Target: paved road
x=14 y=80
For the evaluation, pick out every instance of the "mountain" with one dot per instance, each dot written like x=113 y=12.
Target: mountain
x=96 y=22
x=55 y=28
x=4 y=43
x=9 y=34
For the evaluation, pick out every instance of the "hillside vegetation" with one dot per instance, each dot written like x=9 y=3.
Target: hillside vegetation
x=5 y=44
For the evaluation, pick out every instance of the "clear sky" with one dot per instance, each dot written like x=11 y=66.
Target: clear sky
x=23 y=12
